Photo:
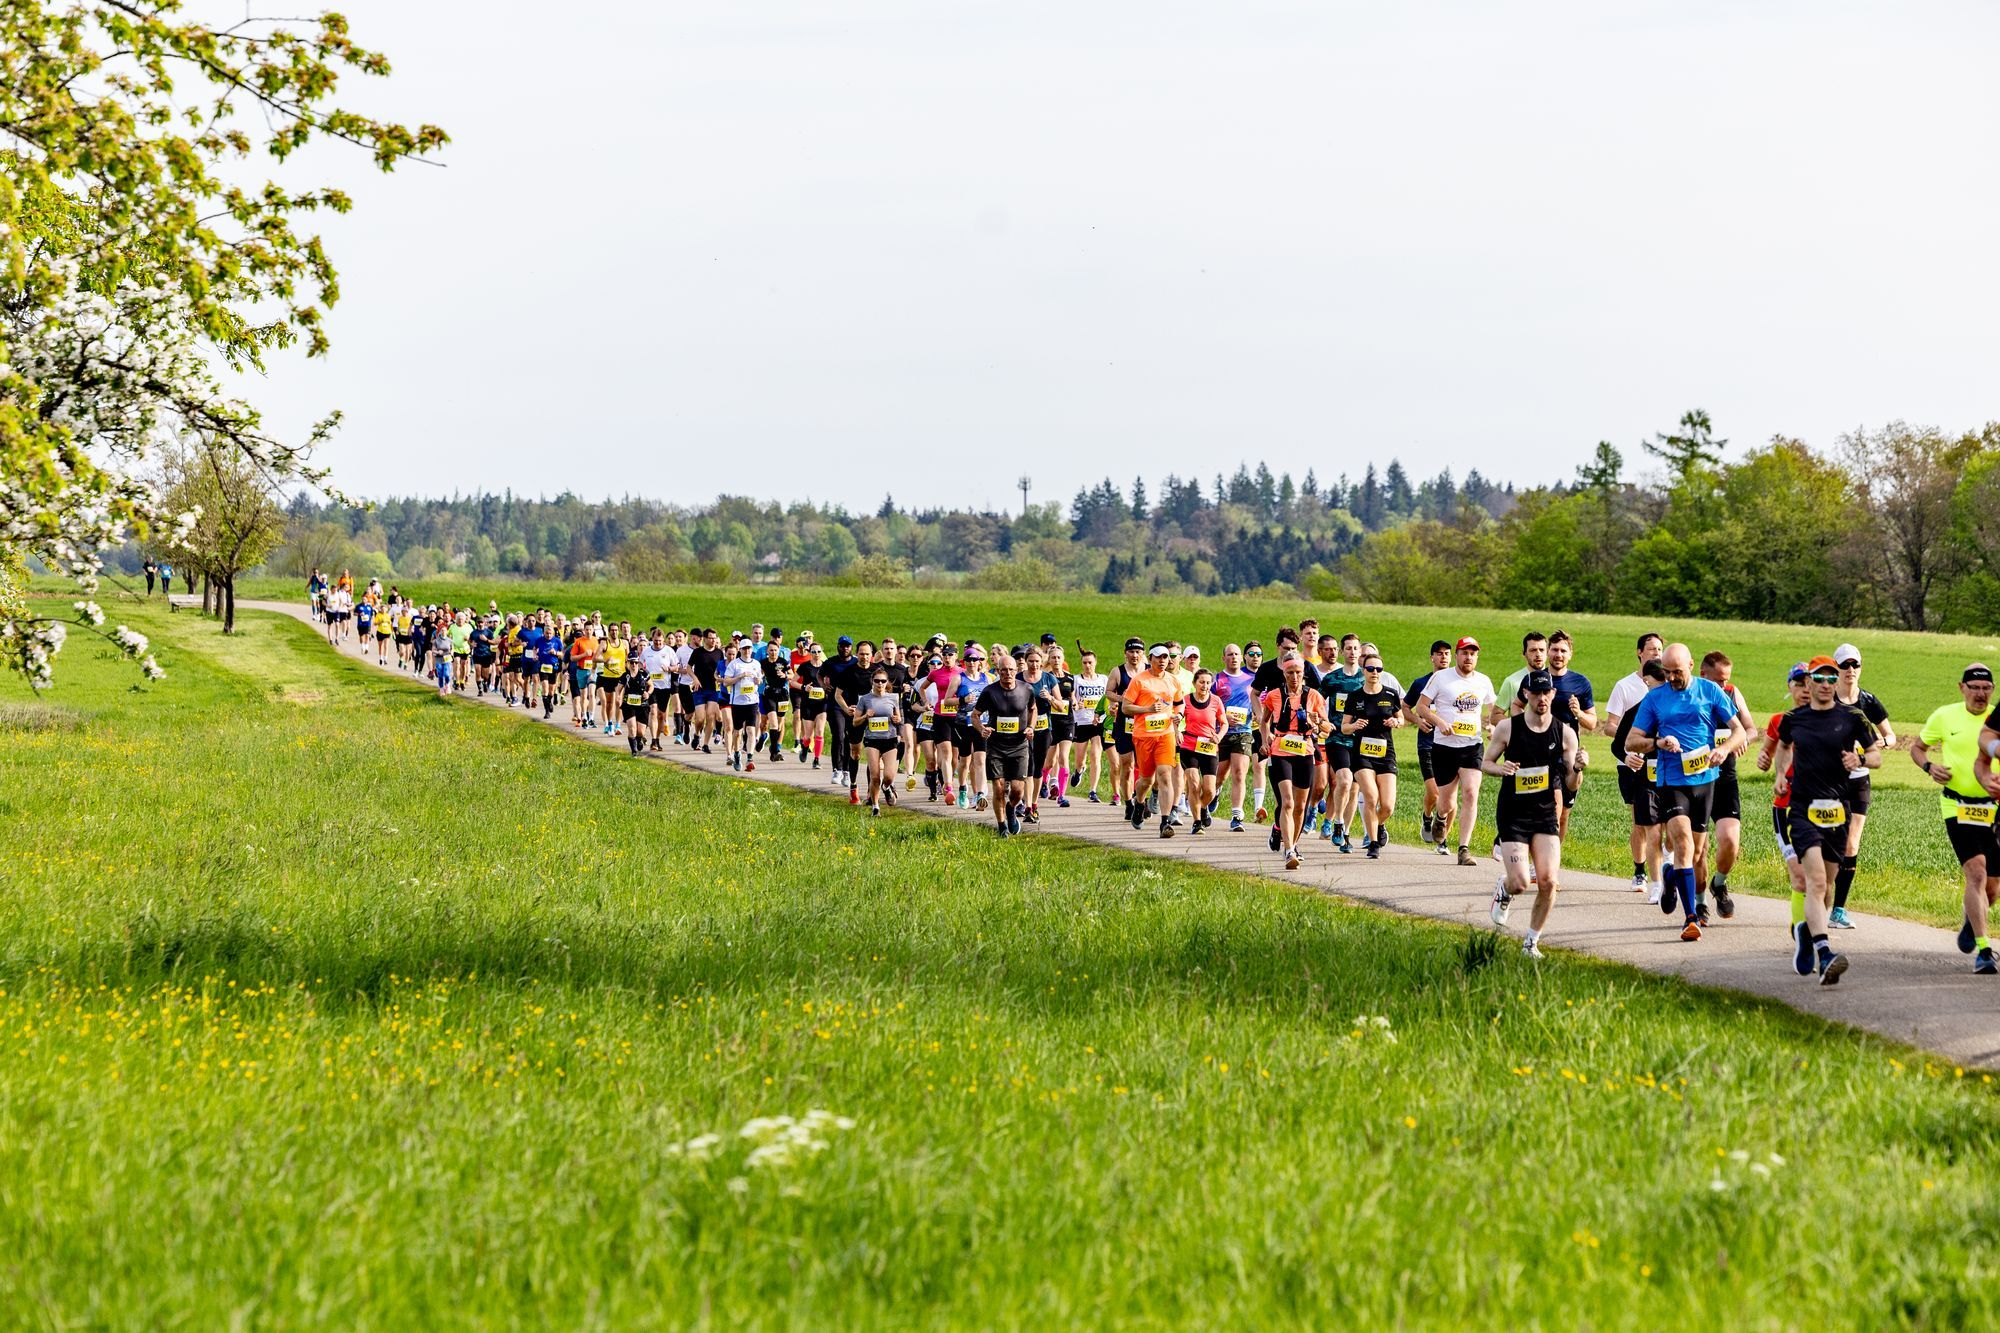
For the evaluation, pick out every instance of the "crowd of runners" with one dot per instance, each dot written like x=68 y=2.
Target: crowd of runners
x=1302 y=736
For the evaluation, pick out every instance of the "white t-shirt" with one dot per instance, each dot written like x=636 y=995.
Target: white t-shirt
x=1090 y=699
x=658 y=663
x=1625 y=696
x=677 y=660
x=1460 y=703
x=743 y=678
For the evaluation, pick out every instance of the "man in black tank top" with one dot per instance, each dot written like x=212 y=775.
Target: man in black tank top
x=1121 y=726
x=1534 y=756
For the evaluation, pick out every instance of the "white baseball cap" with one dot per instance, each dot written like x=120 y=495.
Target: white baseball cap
x=1846 y=653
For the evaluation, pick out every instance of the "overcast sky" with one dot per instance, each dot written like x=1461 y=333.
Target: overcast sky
x=805 y=250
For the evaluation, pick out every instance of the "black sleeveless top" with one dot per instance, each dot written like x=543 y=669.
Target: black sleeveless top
x=1532 y=790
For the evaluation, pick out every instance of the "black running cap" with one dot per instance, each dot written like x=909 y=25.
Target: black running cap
x=1538 y=682
x=1977 y=671
x=1132 y=643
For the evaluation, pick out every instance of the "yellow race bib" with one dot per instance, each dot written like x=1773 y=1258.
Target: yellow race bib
x=1826 y=814
x=1534 y=779
x=1237 y=716
x=1058 y=705
x=814 y=692
x=925 y=719
x=878 y=726
x=1294 y=745
x=1976 y=812
x=1159 y=724
x=1007 y=726
x=1041 y=722
x=1465 y=726
x=1375 y=747
x=1652 y=770
x=1206 y=745
x=1695 y=761
x=949 y=707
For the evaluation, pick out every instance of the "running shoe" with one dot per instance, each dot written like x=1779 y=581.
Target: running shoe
x=1670 y=902
x=964 y=799
x=736 y=762
x=1837 y=920
x=889 y=790
x=875 y=812
x=854 y=796
x=1639 y=885
x=1442 y=850
x=1692 y=930
x=1032 y=815
x=1274 y=837
x=1236 y=823
x=1166 y=828
x=1725 y=906
x=1465 y=857
x=1261 y=815
x=1014 y=821
x=980 y=804
x=1983 y=965
x=1836 y=963
x=1967 y=941
x=1802 y=950
x=1062 y=802
x=1292 y=859
x=1375 y=851
x=911 y=783
x=1138 y=815
x=1094 y=800
x=749 y=765
x=1199 y=828
x=1701 y=911
x=1532 y=950
x=1000 y=829
x=1502 y=904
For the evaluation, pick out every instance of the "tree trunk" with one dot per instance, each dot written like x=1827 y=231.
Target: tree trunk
x=229 y=604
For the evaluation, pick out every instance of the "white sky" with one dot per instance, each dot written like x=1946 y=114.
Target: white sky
x=793 y=250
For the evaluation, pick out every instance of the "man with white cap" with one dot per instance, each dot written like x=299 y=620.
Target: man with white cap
x=1851 y=695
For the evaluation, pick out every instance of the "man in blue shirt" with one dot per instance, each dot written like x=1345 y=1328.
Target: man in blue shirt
x=1679 y=724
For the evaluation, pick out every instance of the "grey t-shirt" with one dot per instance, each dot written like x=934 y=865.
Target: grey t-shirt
x=875 y=707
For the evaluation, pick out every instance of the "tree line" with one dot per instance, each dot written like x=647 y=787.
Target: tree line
x=1892 y=527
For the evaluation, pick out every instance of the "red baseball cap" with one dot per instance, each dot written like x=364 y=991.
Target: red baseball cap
x=1468 y=642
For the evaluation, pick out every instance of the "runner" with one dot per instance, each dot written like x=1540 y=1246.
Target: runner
x=1048 y=693
x=1122 y=677
x=1293 y=721
x=1822 y=744
x=1534 y=657
x=440 y=640
x=850 y=684
x=1648 y=872
x=1339 y=682
x=1951 y=751
x=775 y=704
x=364 y=624
x=1232 y=686
x=1728 y=807
x=1802 y=953
x=1454 y=702
x=481 y=641
x=655 y=666
x=1437 y=811
x=636 y=702
x=1152 y=701
x=811 y=675
x=970 y=742
x=740 y=679
x=705 y=662
x=614 y=663
x=1002 y=714
x=583 y=648
x=878 y=720
x=1678 y=725
x=461 y=649
x=1370 y=715
x=1202 y=723
x=1532 y=754
x=1575 y=708
x=1860 y=794
x=1087 y=709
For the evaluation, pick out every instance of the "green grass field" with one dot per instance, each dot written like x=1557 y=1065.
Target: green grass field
x=1907 y=867
x=326 y=1001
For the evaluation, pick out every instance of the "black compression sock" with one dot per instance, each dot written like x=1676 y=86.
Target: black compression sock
x=1843 y=881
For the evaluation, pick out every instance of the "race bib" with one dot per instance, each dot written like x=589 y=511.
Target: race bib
x=1652 y=770
x=1695 y=761
x=949 y=707
x=878 y=726
x=1340 y=703
x=635 y=699
x=1826 y=814
x=1971 y=812
x=784 y=706
x=1206 y=745
x=1041 y=722
x=1531 y=779
x=1375 y=747
x=1159 y=724
x=548 y=668
x=815 y=693
x=1465 y=726
x=925 y=719
x=1237 y=716
x=1007 y=726
x=656 y=678
x=1721 y=737
x=1059 y=706
x=1294 y=745
x=1086 y=708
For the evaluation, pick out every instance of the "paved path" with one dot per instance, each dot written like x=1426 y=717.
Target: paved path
x=1908 y=982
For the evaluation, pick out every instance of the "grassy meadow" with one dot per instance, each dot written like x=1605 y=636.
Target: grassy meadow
x=325 y=1001
x=1907 y=869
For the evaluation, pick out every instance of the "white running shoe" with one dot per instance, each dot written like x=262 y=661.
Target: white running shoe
x=1532 y=949
x=1653 y=892
x=1501 y=905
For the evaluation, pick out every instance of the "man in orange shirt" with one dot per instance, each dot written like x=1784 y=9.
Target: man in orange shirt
x=1153 y=703
x=583 y=678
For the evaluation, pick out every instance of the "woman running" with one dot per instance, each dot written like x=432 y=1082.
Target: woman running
x=1371 y=712
x=878 y=719
x=1202 y=724
x=1293 y=723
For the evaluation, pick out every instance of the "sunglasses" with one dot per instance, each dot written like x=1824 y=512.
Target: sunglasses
x=1826 y=677
x=1850 y=665
x=1372 y=670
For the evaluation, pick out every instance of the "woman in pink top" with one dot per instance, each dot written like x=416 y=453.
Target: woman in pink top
x=1202 y=724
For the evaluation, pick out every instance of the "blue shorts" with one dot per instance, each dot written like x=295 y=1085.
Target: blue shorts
x=581 y=678
x=711 y=696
